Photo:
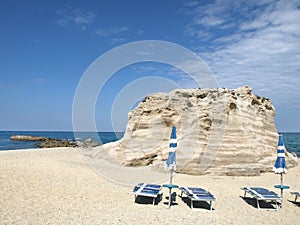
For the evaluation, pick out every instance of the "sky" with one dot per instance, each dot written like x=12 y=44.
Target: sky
x=47 y=46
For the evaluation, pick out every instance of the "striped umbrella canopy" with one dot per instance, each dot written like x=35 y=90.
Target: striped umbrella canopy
x=171 y=161
x=280 y=165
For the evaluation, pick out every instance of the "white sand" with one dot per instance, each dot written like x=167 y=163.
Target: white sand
x=57 y=187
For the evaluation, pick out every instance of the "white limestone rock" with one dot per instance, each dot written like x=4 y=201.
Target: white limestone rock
x=219 y=131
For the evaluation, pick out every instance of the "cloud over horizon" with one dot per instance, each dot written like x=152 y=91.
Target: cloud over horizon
x=260 y=49
x=48 y=45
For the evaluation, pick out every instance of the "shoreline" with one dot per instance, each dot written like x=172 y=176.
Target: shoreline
x=57 y=186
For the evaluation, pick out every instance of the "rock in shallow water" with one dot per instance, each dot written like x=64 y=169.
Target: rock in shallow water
x=55 y=143
x=45 y=142
x=27 y=138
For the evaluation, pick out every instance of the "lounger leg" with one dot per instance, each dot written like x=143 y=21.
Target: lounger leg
x=257 y=204
x=245 y=194
x=192 y=204
x=210 y=205
x=296 y=198
x=153 y=201
x=170 y=197
x=134 y=199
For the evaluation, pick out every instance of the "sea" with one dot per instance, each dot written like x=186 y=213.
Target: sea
x=291 y=140
x=100 y=137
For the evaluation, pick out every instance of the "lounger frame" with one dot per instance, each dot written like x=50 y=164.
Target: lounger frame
x=197 y=194
x=256 y=192
x=297 y=194
x=146 y=190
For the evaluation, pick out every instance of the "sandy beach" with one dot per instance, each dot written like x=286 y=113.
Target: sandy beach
x=57 y=186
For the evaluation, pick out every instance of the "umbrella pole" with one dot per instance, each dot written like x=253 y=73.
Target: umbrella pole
x=281 y=183
x=170 y=188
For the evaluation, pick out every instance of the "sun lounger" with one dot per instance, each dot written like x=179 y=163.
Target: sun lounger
x=146 y=190
x=297 y=194
x=197 y=194
x=262 y=194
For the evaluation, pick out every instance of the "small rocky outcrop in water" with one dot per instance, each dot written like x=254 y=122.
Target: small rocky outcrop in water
x=54 y=143
x=27 y=138
x=45 y=142
x=219 y=131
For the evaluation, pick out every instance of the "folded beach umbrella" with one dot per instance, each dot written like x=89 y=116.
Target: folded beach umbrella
x=171 y=161
x=280 y=165
x=170 y=164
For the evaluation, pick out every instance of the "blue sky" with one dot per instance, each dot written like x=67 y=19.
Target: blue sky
x=46 y=46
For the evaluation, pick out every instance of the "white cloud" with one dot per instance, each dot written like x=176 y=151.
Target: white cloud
x=111 y=31
x=140 y=32
x=38 y=81
x=191 y=3
x=220 y=15
x=75 y=17
x=262 y=51
x=210 y=15
x=117 y=40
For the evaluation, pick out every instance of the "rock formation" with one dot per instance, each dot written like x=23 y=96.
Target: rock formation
x=26 y=138
x=219 y=131
x=55 y=143
x=87 y=143
x=44 y=142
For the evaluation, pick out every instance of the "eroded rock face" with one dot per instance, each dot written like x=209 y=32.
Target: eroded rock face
x=219 y=131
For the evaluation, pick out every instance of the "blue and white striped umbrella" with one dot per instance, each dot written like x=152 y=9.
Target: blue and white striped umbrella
x=171 y=161
x=280 y=165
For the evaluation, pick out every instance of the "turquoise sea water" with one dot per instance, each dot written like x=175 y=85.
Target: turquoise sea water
x=291 y=140
x=7 y=144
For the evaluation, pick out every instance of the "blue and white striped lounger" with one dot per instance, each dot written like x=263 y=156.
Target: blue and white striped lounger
x=262 y=194
x=197 y=194
x=146 y=190
x=297 y=194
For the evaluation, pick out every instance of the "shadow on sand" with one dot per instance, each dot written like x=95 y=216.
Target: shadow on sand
x=197 y=204
x=173 y=200
x=148 y=200
x=294 y=202
x=262 y=204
